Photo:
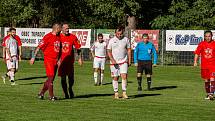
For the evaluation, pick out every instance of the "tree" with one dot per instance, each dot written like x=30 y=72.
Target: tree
x=194 y=14
x=15 y=12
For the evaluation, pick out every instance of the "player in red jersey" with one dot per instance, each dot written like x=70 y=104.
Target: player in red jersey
x=206 y=49
x=50 y=45
x=11 y=32
x=66 y=66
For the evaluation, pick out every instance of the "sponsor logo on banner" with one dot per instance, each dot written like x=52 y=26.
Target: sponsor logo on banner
x=136 y=36
x=83 y=35
x=30 y=37
x=183 y=40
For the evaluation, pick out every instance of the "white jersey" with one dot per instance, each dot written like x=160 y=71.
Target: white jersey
x=99 y=48
x=119 y=49
x=12 y=45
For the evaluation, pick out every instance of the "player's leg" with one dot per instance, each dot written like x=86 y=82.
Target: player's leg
x=148 y=72
x=71 y=81
x=139 y=75
x=102 y=67
x=115 y=78
x=96 y=69
x=11 y=70
x=64 y=86
x=123 y=73
x=206 y=76
x=12 y=76
x=51 y=69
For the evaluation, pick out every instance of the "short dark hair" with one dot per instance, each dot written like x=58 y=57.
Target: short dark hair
x=120 y=28
x=100 y=35
x=11 y=29
x=145 y=35
x=56 y=23
x=208 y=31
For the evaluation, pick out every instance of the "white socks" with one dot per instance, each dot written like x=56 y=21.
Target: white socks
x=124 y=85
x=115 y=86
x=11 y=74
x=102 y=77
x=96 y=77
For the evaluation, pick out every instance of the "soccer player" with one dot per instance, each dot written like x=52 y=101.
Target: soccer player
x=66 y=66
x=98 y=51
x=11 y=50
x=206 y=49
x=50 y=45
x=119 y=52
x=143 y=60
x=11 y=33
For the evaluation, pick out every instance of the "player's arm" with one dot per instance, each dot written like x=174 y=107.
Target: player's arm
x=155 y=55
x=129 y=56
x=92 y=50
x=113 y=61
x=129 y=52
x=197 y=53
x=3 y=53
x=20 y=46
x=80 y=61
x=195 y=60
x=135 y=55
x=34 y=55
x=20 y=53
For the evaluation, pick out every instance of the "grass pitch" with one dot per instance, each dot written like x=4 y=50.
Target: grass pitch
x=178 y=95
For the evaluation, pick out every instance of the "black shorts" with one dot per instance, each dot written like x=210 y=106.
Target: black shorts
x=144 y=65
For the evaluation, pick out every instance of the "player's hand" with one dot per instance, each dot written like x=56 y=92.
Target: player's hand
x=58 y=63
x=11 y=59
x=154 y=65
x=129 y=63
x=195 y=64
x=80 y=62
x=116 y=66
x=136 y=64
x=32 y=61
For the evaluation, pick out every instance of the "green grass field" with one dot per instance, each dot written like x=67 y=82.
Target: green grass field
x=178 y=96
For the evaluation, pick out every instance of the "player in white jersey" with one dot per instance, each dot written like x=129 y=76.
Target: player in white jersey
x=98 y=51
x=11 y=57
x=119 y=52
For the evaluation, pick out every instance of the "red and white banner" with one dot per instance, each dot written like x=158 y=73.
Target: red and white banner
x=83 y=35
x=136 y=36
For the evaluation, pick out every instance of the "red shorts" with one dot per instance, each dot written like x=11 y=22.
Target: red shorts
x=66 y=67
x=51 y=67
x=208 y=73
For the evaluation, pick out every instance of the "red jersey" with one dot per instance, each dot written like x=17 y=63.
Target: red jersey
x=50 y=45
x=207 y=52
x=68 y=42
x=16 y=37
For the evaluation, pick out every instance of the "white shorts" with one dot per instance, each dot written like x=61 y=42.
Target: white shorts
x=12 y=64
x=123 y=69
x=99 y=63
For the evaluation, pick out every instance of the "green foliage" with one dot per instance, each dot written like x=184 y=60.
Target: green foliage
x=196 y=14
x=14 y=12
